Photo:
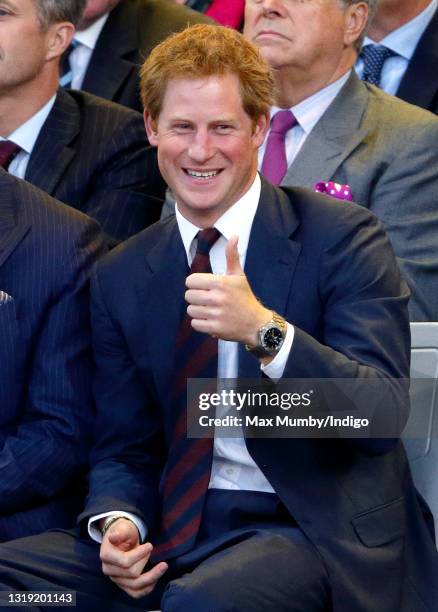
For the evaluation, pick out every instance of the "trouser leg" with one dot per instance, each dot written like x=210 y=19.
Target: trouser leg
x=267 y=571
x=63 y=561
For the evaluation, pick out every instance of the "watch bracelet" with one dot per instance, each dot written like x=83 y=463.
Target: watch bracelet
x=277 y=320
x=109 y=521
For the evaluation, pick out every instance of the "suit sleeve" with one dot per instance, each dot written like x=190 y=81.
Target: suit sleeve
x=50 y=445
x=127 y=192
x=404 y=197
x=128 y=454
x=364 y=325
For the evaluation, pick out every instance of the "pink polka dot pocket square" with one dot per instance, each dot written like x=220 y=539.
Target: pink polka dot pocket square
x=335 y=190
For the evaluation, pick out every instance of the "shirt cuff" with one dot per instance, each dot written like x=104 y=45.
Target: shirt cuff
x=275 y=368
x=94 y=531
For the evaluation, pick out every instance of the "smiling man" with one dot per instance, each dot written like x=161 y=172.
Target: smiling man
x=207 y=184
x=312 y=289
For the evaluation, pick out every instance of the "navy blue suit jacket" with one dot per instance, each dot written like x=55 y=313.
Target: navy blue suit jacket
x=46 y=252
x=420 y=82
x=328 y=268
x=94 y=155
x=132 y=30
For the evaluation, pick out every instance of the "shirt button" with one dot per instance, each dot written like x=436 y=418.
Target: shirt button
x=230 y=471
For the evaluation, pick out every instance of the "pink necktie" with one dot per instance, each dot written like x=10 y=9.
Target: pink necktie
x=274 y=164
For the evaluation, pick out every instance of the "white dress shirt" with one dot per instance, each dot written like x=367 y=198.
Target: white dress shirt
x=403 y=42
x=25 y=137
x=307 y=113
x=232 y=467
x=80 y=56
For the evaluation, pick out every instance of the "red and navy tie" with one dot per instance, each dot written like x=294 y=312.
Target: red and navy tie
x=188 y=466
x=8 y=150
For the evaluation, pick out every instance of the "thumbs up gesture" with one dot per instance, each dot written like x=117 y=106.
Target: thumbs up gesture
x=224 y=306
x=232 y=256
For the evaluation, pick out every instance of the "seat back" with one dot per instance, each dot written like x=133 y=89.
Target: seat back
x=421 y=435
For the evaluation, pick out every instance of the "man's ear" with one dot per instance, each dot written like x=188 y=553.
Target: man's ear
x=356 y=18
x=59 y=37
x=151 y=128
x=260 y=129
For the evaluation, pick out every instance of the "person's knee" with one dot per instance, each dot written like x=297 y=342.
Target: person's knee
x=192 y=595
x=270 y=571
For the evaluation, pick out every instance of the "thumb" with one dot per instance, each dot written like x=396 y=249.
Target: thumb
x=232 y=255
x=123 y=539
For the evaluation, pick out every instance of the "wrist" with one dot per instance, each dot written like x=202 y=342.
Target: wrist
x=107 y=522
x=261 y=318
x=269 y=338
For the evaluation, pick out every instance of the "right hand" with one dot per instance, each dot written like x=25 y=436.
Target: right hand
x=123 y=559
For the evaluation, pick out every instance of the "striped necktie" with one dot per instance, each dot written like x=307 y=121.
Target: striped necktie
x=8 y=150
x=187 y=472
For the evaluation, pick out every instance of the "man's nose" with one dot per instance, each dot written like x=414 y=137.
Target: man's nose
x=269 y=7
x=201 y=148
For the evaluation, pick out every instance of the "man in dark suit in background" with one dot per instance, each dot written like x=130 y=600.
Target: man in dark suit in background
x=400 y=53
x=113 y=40
x=46 y=253
x=85 y=151
x=311 y=286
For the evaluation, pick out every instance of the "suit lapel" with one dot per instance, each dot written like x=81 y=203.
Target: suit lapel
x=162 y=295
x=419 y=85
x=53 y=152
x=333 y=138
x=12 y=227
x=270 y=265
x=271 y=259
x=116 y=53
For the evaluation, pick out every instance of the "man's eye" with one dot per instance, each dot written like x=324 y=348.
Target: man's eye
x=183 y=127
x=222 y=127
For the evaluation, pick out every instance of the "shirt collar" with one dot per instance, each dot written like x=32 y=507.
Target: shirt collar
x=404 y=40
x=236 y=220
x=26 y=135
x=309 y=111
x=89 y=36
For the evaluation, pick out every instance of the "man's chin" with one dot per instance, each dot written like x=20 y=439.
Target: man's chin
x=193 y=208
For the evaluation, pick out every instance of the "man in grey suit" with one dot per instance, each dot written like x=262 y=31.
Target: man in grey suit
x=350 y=132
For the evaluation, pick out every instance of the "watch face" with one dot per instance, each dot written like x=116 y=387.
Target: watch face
x=273 y=338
